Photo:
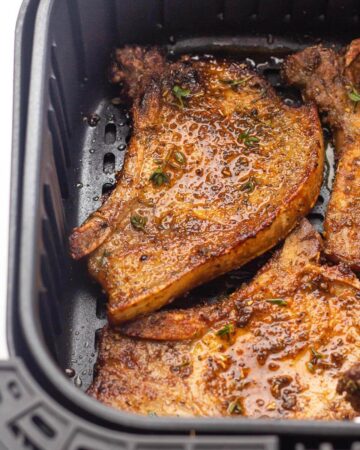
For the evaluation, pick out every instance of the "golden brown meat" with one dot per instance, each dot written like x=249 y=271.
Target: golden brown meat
x=275 y=348
x=332 y=80
x=218 y=170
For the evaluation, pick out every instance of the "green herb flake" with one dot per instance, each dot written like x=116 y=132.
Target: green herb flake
x=277 y=301
x=310 y=367
x=249 y=186
x=235 y=407
x=180 y=157
x=138 y=222
x=181 y=94
x=104 y=256
x=226 y=331
x=159 y=177
x=248 y=139
x=354 y=96
x=316 y=354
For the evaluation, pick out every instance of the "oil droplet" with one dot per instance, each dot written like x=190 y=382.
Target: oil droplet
x=172 y=39
x=92 y=150
x=78 y=381
x=79 y=185
x=122 y=147
x=122 y=123
x=96 y=198
x=69 y=372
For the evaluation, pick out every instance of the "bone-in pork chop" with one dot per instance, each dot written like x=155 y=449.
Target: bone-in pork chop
x=275 y=348
x=218 y=170
x=332 y=80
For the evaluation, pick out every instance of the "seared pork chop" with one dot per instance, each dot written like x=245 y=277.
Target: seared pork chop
x=332 y=80
x=218 y=170
x=275 y=348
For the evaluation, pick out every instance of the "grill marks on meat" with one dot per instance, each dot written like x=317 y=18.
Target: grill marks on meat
x=247 y=355
x=327 y=77
x=218 y=170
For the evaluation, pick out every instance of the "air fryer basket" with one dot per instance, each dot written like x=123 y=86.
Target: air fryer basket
x=63 y=166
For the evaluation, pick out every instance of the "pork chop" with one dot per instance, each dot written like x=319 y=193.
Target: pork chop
x=275 y=348
x=218 y=170
x=332 y=80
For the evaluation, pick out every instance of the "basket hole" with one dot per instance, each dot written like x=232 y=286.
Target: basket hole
x=97 y=338
x=101 y=307
x=110 y=133
x=107 y=189
x=14 y=389
x=109 y=163
x=43 y=426
x=320 y=200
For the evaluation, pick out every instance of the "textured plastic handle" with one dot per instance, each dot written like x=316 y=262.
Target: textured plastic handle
x=30 y=419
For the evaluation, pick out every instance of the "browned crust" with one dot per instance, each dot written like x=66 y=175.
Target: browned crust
x=278 y=361
x=327 y=77
x=131 y=295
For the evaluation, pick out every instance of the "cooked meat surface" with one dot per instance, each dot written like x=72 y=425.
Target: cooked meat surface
x=349 y=384
x=332 y=80
x=218 y=170
x=275 y=348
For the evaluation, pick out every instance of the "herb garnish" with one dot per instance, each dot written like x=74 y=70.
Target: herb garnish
x=177 y=161
x=226 y=330
x=249 y=186
x=311 y=365
x=277 y=301
x=159 y=177
x=316 y=354
x=248 y=139
x=235 y=407
x=138 y=222
x=105 y=255
x=238 y=82
x=180 y=157
x=354 y=95
x=181 y=94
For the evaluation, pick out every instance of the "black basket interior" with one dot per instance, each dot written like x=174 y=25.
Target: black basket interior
x=78 y=162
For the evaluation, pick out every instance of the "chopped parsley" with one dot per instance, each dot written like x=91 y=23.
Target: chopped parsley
x=310 y=367
x=181 y=94
x=226 y=331
x=138 y=222
x=354 y=95
x=316 y=354
x=180 y=157
x=277 y=301
x=159 y=177
x=248 y=139
x=249 y=186
x=235 y=407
